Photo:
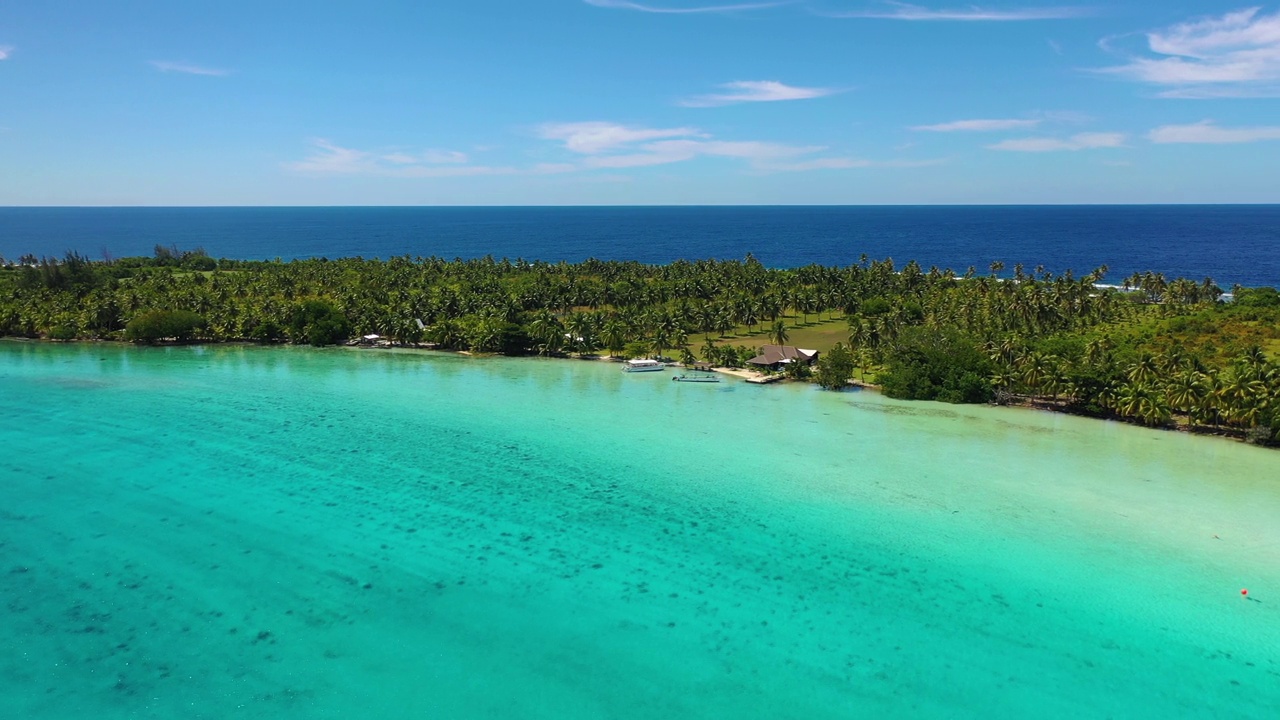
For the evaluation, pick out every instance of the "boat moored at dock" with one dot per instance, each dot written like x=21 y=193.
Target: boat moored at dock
x=698 y=377
x=643 y=365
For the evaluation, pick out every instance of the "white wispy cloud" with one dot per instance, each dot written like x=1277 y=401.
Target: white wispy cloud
x=978 y=125
x=627 y=5
x=847 y=163
x=328 y=158
x=187 y=68
x=746 y=91
x=904 y=11
x=1207 y=132
x=665 y=152
x=597 y=137
x=592 y=146
x=1066 y=117
x=1202 y=92
x=445 y=157
x=1081 y=141
x=429 y=157
x=610 y=145
x=5 y=51
x=1233 y=55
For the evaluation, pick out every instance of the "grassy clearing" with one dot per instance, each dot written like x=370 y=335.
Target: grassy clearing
x=815 y=335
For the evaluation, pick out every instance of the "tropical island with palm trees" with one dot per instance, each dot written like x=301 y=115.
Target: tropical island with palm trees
x=1164 y=353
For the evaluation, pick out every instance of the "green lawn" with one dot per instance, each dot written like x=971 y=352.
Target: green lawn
x=815 y=335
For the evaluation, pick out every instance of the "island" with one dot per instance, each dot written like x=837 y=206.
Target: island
x=1172 y=353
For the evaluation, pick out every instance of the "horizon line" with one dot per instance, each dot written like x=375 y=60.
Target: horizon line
x=646 y=205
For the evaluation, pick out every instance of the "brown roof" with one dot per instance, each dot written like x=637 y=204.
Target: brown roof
x=774 y=354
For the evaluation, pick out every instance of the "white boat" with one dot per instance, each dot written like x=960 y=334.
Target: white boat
x=645 y=365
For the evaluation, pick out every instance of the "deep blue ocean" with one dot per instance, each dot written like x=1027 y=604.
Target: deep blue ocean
x=1230 y=243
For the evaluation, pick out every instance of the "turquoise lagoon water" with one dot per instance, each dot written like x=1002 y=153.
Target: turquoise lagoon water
x=240 y=532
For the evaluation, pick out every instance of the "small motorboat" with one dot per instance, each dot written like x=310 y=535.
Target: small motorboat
x=709 y=377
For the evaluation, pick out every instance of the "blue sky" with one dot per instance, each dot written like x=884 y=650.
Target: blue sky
x=497 y=102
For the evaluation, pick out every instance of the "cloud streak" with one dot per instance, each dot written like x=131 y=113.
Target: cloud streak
x=1081 y=141
x=748 y=91
x=1233 y=55
x=1206 y=132
x=596 y=137
x=330 y=159
x=427 y=157
x=917 y=13
x=847 y=163
x=610 y=145
x=591 y=146
x=5 y=51
x=166 y=66
x=978 y=125
x=627 y=5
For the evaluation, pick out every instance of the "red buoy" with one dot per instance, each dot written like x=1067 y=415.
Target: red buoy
x=1245 y=592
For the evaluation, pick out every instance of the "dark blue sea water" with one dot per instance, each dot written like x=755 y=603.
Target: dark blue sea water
x=1230 y=243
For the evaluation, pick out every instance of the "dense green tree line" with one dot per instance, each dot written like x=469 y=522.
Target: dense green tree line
x=1056 y=340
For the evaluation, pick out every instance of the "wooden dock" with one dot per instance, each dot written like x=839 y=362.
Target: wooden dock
x=764 y=379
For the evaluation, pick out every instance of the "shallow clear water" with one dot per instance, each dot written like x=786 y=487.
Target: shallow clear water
x=279 y=532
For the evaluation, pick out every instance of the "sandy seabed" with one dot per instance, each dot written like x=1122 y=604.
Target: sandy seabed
x=285 y=532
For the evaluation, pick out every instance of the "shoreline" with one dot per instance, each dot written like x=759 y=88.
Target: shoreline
x=1021 y=403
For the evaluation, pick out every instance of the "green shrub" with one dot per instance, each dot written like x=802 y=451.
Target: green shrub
x=872 y=307
x=835 y=368
x=1258 y=297
x=327 y=331
x=937 y=365
x=318 y=323
x=157 y=325
x=62 y=332
x=199 y=262
x=266 y=331
x=513 y=340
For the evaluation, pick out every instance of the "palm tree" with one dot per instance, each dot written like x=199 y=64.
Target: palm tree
x=1173 y=360
x=1185 y=391
x=778 y=333
x=445 y=333
x=857 y=328
x=1242 y=397
x=1004 y=381
x=1036 y=371
x=1098 y=351
x=722 y=322
x=581 y=333
x=546 y=331
x=614 y=336
x=1145 y=370
x=710 y=353
x=1142 y=402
